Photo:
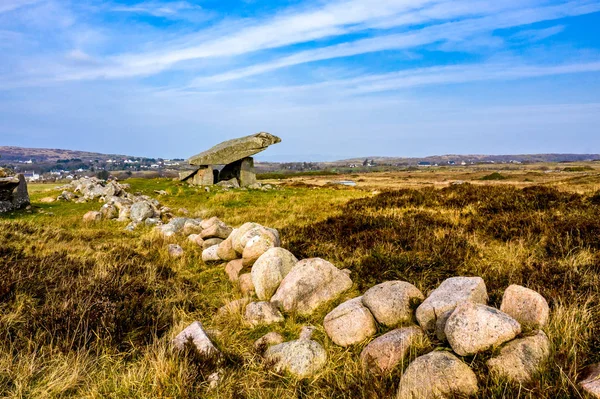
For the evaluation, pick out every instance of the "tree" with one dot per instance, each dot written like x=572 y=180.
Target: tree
x=103 y=175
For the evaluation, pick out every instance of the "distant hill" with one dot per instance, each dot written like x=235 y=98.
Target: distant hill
x=20 y=154
x=445 y=159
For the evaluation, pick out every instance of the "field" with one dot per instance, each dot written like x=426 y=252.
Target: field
x=88 y=310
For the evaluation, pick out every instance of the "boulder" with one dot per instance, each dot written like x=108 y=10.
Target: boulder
x=310 y=284
x=262 y=313
x=269 y=339
x=210 y=254
x=109 y=211
x=203 y=176
x=450 y=293
x=474 y=328
x=152 y=222
x=301 y=358
x=591 y=383
x=206 y=223
x=92 y=216
x=269 y=270
x=231 y=183
x=385 y=353
x=393 y=302
x=210 y=242
x=437 y=375
x=196 y=334
x=175 y=250
x=350 y=323
x=526 y=306
x=192 y=226
x=256 y=246
x=236 y=236
x=245 y=282
x=226 y=251
x=216 y=230
x=519 y=360
x=233 y=269
x=234 y=150
x=141 y=211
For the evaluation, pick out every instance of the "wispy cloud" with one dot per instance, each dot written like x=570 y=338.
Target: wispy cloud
x=157 y=8
x=11 y=5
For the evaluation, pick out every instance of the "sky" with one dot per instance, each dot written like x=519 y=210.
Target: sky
x=334 y=79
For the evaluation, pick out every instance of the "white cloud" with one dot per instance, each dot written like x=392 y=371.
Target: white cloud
x=156 y=8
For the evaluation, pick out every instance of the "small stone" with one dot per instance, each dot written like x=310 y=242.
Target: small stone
x=210 y=255
x=269 y=270
x=152 y=222
x=474 y=328
x=437 y=375
x=92 y=216
x=520 y=359
x=526 y=306
x=216 y=230
x=302 y=358
x=393 y=302
x=385 y=353
x=211 y=242
x=269 y=339
x=131 y=226
x=263 y=313
x=175 y=250
x=246 y=286
x=47 y=200
x=591 y=383
x=195 y=332
x=226 y=251
x=450 y=293
x=310 y=284
x=350 y=323
x=192 y=226
x=109 y=211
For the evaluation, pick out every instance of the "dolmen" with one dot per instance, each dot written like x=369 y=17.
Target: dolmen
x=13 y=192
x=236 y=155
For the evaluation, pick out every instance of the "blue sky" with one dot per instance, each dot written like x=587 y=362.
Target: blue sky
x=333 y=78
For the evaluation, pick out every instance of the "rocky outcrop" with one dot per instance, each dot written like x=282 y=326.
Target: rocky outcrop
x=386 y=352
x=445 y=298
x=526 y=306
x=437 y=375
x=350 y=323
x=310 y=284
x=393 y=302
x=474 y=328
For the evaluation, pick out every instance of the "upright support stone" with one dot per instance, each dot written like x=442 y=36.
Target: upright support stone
x=204 y=177
x=242 y=170
x=13 y=193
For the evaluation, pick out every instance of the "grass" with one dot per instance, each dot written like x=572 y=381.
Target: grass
x=87 y=310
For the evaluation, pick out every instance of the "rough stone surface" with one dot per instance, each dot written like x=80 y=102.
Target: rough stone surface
x=216 y=230
x=206 y=223
x=591 y=382
x=141 y=211
x=392 y=302
x=350 y=323
x=474 y=328
x=210 y=254
x=386 y=352
x=269 y=339
x=256 y=246
x=262 y=313
x=451 y=292
x=241 y=170
x=175 y=250
x=13 y=192
x=310 y=284
x=195 y=332
x=92 y=216
x=437 y=375
x=245 y=282
x=269 y=270
x=520 y=359
x=236 y=236
x=302 y=358
x=233 y=269
x=203 y=176
x=210 y=242
x=526 y=306
x=226 y=251
x=236 y=149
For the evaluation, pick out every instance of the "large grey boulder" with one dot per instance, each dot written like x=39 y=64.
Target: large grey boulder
x=450 y=293
x=301 y=358
x=526 y=306
x=519 y=360
x=591 y=382
x=350 y=323
x=310 y=284
x=262 y=313
x=386 y=352
x=141 y=211
x=13 y=192
x=392 y=302
x=269 y=270
x=437 y=375
x=234 y=150
x=474 y=328
x=197 y=335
